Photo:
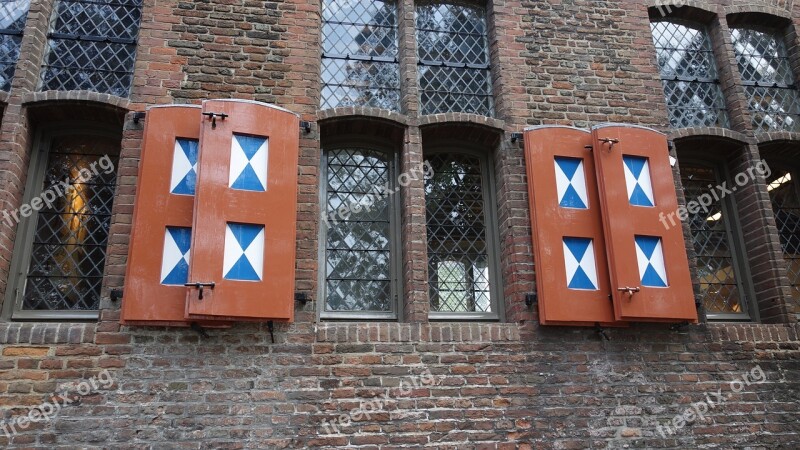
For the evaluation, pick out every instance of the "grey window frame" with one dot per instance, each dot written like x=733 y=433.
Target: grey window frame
x=395 y=227
x=730 y=217
x=492 y=234
x=26 y=228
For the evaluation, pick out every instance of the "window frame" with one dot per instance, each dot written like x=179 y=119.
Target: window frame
x=489 y=190
x=723 y=113
x=794 y=169
x=731 y=219
x=26 y=227
x=13 y=33
x=395 y=230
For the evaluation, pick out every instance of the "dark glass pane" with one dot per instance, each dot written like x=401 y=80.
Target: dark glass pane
x=689 y=76
x=357 y=250
x=69 y=248
x=360 y=30
x=715 y=267
x=13 y=14
x=764 y=67
x=452 y=47
x=783 y=193
x=77 y=60
x=458 y=270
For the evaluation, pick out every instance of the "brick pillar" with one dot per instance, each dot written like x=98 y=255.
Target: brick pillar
x=15 y=129
x=414 y=233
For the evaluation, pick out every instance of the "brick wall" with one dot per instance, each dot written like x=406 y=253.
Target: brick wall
x=473 y=385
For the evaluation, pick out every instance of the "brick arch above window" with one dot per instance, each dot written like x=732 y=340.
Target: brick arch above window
x=92 y=107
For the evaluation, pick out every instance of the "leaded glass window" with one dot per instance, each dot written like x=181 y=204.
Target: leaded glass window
x=92 y=46
x=459 y=257
x=768 y=79
x=713 y=242
x=453 y=52
x=13 y=14
x=358 y=233
x=689 y=75
x=359 y=54
x=783 y=192
x=68 y=234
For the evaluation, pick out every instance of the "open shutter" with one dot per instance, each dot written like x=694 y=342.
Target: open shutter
x=650 y=277
x=158 y=257
x=245 y=213
x=572 y=279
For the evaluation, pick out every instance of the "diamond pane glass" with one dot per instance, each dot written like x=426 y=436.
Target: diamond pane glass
x=452 y=47
x=689 y=76
x=710 y=236
x=69 y=247
x=92 y=46
x=359 y=54
x=769 y=84
x=458 y=268
x=13 y=14
x=783 y=192
x=358 y=265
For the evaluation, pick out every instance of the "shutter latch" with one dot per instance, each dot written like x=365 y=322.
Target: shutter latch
x=200 y=286
x=213 y=116
x=609 y=141
x=629 y=290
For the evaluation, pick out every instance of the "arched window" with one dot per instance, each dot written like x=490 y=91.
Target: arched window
x=689 y=75
x=92 y=46
x=719 y=261
x=60 y=249
x=358 y=233
x=461 y=238
x=782 y=186
x=453 y=52
x=767 y=78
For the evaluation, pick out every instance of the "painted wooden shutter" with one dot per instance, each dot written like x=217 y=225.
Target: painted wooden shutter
x=572 y=279
x=644 y=253
x=158 y=257
x=245 y=213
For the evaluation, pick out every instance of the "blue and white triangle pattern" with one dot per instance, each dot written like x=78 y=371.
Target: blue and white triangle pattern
x=650 y=256
x=579 y=263
x=637 y=179
x=571 y=183
x=248 y=170
x=244 y=252
x=184 y=167
x=175 y=260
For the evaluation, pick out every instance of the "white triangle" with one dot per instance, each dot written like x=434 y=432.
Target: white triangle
x=238 y=161
x=570 y=263
x=255 y=254
x=588 y=264
x=180 y=166
x=171 y=256
x=233 y=251
x=259 y=163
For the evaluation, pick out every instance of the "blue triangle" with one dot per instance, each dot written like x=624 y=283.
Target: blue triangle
x=242 y=270
x=182 y=237
x=647 y=244
x=569 y=166
x=577 y=246
x=179 y=274
x=249 y=144
x=651 y=278
x=189 y=147
x=635 y=164
x=244 y=233
x=571 y=199
x=247 y=180
x=639 y=198
x=187 y=184
x=581 y=281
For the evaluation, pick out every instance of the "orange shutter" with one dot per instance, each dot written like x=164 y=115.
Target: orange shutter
x=245 y=213
x=571 y=274
x=162 y=219
x=647 y=258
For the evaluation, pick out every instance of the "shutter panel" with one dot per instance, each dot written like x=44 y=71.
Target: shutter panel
x=158 y=263
x=572 y=279
x=637 y=191
x=245 y=213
